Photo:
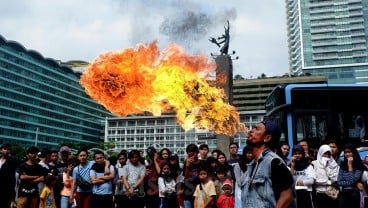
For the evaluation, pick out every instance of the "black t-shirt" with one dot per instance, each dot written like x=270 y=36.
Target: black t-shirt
x=281 y=177
x=7 y=179
x=27 y=188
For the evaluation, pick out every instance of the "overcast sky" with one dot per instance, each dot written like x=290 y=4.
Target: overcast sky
x=82 y=29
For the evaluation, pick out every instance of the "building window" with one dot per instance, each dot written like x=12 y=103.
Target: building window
x=161 y=122
x=131 y=123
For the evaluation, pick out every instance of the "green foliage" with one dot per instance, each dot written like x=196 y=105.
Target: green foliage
x=239 y=77
x=18 y=151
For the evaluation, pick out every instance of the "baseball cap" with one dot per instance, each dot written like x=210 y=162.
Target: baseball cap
x=64 y=149
x=272 y=129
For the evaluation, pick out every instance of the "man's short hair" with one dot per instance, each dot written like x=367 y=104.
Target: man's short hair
x=192 y=148
x=33 y=150
x=98 y=152
x=234 y=143
x=202 y=146
x=331 y=141
x=44 y=153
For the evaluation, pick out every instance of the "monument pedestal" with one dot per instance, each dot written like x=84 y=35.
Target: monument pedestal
x=224 y=79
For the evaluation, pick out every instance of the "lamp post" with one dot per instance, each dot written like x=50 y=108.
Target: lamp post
x=36 y=138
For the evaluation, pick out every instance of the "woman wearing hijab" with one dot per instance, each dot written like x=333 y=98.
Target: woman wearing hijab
x=303 y=174
x=349 y=178
x=326 y=170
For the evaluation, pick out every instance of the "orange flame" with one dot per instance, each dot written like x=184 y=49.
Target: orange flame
x=144 y=79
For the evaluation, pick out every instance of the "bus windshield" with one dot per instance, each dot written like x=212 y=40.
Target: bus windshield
x=320 y=112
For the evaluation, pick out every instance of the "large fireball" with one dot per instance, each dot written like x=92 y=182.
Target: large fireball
x=144 y=79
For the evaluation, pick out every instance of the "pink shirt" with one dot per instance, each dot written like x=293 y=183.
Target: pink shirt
x=67 y=189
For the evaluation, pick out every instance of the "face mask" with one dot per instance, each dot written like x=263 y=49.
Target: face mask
x=324 y=161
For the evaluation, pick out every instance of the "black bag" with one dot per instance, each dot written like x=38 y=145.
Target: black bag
x=81 y=182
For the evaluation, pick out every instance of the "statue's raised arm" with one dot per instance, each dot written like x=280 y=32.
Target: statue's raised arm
x=225 y=48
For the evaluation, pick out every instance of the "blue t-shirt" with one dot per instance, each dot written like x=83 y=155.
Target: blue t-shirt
x=103 y=188
x=84 y=172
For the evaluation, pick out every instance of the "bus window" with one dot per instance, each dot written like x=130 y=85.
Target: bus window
x=320 y=112
x=311 y=127
x=357 y=130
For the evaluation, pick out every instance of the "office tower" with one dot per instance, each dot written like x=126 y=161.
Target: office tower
x=328 y=37
x=42 y=102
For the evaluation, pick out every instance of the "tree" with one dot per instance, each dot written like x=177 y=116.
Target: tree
x=239 y=77
x=263 y=75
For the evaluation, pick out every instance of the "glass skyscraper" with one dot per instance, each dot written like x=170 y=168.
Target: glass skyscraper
x=329 y=37
x=42 y=102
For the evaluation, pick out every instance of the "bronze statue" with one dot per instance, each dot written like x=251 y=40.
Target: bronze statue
x=225 y=39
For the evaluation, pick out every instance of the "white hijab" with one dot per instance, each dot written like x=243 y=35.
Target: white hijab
x=322 y=162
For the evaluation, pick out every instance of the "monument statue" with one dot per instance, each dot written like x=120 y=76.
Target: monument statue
x=223 y=40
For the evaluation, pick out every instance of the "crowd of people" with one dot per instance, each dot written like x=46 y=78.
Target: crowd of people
x=263 y=176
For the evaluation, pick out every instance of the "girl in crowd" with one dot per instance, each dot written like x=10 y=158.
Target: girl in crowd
x=349 y=178
x=164 y=154
x=222 y=162
x=215 y=153
x=205 y=192
x=226 y=199
x=66 y=192
x=212 y=166
x=166 y=186
x=175 y=168
x=326 y=170
x=283 y=152
x=152 y=164
x=303 y=175
x=161 y=157
x=241 y=166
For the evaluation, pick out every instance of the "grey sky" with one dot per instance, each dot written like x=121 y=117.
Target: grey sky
x=83 y=29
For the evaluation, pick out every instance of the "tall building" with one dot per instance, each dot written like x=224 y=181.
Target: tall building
x=328 y=37
x=42 y=102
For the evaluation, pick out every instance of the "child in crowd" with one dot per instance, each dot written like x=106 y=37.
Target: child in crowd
x=166 y=187
x=226 y=198
x=219 y=180
x=47 y=199
x=212 y=164
x=205 y=191
x=180 y=193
